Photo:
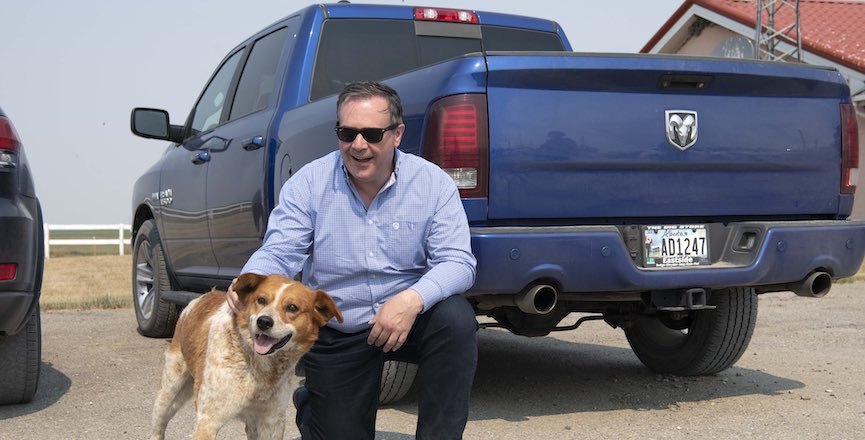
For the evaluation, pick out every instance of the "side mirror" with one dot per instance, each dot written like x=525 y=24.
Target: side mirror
x=154 y=123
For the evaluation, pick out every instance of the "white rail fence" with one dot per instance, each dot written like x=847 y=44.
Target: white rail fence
x=120 y=241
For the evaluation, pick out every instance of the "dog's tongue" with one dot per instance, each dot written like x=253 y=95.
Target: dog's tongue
x=264 y=343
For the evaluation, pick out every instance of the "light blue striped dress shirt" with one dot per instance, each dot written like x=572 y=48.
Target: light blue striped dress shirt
x=413 y=235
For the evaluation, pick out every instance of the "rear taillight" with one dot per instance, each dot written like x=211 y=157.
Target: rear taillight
x=451 y=15
x=9 y=140
x=7 y=271
x=9 y=143
x=849 y=149
x=456 y=139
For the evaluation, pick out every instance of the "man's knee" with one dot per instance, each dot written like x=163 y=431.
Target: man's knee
x=456 y=316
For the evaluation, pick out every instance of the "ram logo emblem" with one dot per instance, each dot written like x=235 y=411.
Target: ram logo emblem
x=681 y=128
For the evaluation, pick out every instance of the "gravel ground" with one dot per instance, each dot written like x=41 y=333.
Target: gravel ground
x=803 y=377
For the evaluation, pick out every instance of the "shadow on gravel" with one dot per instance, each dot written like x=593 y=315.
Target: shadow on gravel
x=521 y=377
x=53 y=384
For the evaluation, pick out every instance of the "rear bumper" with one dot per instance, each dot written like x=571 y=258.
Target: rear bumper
x=591 y=259
x=21 y=244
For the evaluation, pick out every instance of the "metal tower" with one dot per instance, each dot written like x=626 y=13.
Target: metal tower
x=778 y=43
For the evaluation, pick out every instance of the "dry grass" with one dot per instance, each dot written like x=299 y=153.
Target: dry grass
x=89 y=282
x=105 y=282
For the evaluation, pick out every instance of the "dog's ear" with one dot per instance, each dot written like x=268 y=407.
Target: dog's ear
x=325 y=308
x=247 y=283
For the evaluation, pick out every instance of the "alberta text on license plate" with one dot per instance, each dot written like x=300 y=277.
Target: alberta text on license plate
x=675 y=245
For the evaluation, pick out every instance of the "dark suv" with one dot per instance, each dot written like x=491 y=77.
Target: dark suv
x=22 y=255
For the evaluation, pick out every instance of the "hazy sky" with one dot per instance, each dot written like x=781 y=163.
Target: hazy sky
x=73 y=70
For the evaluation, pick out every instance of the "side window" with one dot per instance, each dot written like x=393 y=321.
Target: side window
x=208 y=111
x=258 y=77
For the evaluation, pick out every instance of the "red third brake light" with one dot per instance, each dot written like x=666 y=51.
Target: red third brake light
x=849 y=149
x=438 y=14
x=456 y=139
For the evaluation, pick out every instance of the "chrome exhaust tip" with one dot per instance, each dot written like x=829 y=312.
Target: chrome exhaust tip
x=539 y=299
x=815 y=285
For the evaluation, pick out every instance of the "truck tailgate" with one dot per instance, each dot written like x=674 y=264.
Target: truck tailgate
x=585 y=136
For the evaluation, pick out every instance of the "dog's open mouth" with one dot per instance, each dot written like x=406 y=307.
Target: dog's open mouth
x=265 y=345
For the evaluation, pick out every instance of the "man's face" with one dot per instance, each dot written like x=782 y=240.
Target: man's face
x=369 y=165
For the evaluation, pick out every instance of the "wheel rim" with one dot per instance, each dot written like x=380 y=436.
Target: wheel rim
x=144 y=280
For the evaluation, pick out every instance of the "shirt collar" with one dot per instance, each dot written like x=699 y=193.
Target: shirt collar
x=397 y=158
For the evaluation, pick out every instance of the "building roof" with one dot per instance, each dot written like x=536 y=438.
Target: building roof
x=833 y=29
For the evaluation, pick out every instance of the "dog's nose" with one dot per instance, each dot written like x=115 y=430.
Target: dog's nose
x=264 y=322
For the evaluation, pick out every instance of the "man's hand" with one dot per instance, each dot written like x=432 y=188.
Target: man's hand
x=231 y=298
x=392 y=323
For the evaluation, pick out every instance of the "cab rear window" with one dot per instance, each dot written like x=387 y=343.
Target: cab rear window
x=371 y=50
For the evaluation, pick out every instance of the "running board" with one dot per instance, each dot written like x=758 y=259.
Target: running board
x=181 y=297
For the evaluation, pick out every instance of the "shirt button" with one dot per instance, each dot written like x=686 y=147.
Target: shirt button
x=369 y=221
x=370 y=254
x=395 y=225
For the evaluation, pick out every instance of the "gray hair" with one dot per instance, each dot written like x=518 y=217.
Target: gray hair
x=370 y=89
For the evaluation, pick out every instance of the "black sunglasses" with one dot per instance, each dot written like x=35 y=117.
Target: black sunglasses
x=371 y=135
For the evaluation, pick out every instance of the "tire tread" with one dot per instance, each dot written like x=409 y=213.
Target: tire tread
x=20 y=359
x=734 y=335
x=396 y=381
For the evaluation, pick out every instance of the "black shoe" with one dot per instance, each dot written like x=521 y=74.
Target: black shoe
x=300 y=398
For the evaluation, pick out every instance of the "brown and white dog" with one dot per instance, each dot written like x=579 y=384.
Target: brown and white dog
x=235 y=365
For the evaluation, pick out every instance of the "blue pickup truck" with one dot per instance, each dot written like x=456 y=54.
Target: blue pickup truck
x=659 y=194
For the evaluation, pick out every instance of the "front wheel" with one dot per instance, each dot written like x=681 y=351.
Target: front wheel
x=156 y=318
x=710 y=342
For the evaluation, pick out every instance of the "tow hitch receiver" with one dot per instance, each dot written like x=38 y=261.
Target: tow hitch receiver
x=680 y=300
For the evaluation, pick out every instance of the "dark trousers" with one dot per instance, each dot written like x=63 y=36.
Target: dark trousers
x=343 y=375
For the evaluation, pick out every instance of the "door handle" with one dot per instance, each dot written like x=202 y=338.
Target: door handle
x=253 y=143
x=201 y=158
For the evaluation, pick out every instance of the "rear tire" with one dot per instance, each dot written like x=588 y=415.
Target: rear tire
x=396 y=380
x=20 y=359
x=712 y=342
x=156 y=318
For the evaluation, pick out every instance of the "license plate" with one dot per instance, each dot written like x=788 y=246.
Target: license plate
x=675 y=246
